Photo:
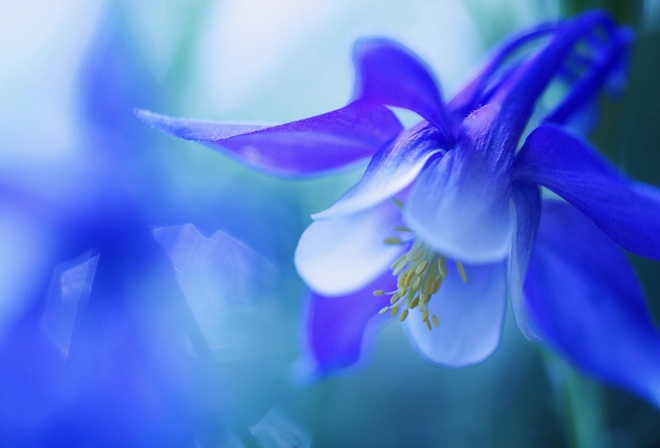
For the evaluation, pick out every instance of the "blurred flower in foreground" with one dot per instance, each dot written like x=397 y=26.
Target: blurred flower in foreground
x=117 y=344
x=448 y=215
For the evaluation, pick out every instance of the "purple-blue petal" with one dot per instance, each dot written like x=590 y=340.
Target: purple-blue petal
x=391 y=170
x=391 y=74
x=335 y=326
x=584 y=300
x=309 y=146
x=626 y=210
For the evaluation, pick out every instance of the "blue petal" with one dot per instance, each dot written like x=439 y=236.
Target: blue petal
x=470 y=315
x=626 y=210
x=585 y=301
x=460 y=203
x=335 y=326
x=391 y=170
x=313 y=145
x=341 y=255
x=391 y=74
x=527 y=203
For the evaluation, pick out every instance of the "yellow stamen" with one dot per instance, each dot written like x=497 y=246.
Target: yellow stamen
x=415 y=254
x=442 y=267
x=399 y=269
x=416 y=284
x=410 y=278
x=404 y=314
x=425 y=298
x=421 y=267
x=461 y=270
x=393 y=241
x=399 y=262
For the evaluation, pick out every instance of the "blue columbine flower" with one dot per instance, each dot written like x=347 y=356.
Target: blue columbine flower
x=448 y=220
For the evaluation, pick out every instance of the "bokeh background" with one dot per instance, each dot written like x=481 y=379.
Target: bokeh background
x=147 y=291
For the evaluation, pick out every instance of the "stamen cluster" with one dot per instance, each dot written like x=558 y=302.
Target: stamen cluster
x=420 y=272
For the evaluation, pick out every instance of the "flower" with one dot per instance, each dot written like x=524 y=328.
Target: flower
x=448 y=220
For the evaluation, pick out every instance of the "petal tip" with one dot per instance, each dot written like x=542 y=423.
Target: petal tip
x=163 y=123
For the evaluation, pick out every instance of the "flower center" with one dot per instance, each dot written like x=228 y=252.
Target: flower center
x=420 y=272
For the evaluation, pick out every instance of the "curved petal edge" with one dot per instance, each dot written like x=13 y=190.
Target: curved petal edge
x=310 y=146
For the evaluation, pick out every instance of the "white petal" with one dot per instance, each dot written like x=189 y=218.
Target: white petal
x=341 y=255
x=470 y=315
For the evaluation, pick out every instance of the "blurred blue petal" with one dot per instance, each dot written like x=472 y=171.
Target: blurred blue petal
x=72 y=283
x=277 y=430
x=105 y=350
x=116 y=79
x=229 y=287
